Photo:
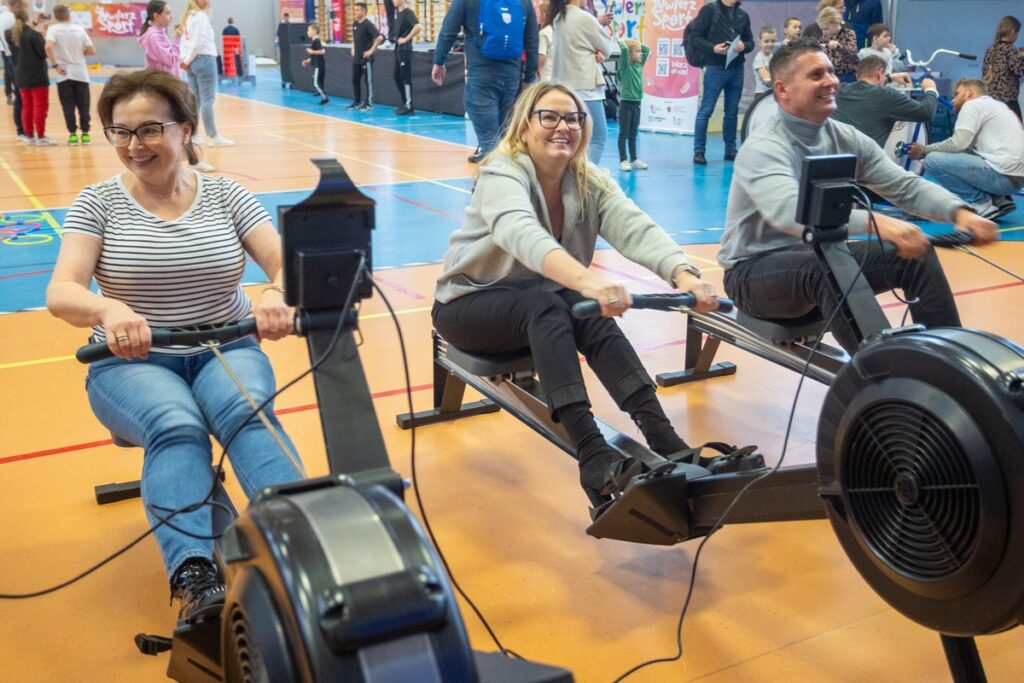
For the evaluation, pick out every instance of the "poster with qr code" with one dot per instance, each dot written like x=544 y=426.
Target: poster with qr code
x=671 y=84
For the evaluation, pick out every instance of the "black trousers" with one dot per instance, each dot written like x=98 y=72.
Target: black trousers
x=9 y=87
x=403 y=75
x=319 y=76
x=503 y=320
x=629 y=125
x=74 y=95
x=359 y=72
x=791 y=283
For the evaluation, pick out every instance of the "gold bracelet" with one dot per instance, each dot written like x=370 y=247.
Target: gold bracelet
x=272 y=287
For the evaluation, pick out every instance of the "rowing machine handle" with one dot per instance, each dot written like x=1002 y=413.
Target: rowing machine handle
x=90 y=353
x=970 y=58
x=660 y=302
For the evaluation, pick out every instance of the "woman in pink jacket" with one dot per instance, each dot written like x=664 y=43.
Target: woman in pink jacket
x=161 y=52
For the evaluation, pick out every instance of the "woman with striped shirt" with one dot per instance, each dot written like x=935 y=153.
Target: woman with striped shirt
x=167 y=246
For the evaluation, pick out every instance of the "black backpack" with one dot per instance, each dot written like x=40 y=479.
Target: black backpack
x=694 y=55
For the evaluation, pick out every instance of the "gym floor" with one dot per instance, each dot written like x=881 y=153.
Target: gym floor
x=774 y=602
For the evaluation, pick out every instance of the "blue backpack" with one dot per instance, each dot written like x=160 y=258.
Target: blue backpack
x=502 y=24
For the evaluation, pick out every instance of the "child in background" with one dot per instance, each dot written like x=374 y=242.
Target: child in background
x=316 y=53
x=882 y=46
x=630 y=70
x=67 y=46
x=545 y=63
x=762 y=77
x=791 y=30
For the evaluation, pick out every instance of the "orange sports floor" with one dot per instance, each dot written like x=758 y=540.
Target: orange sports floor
x=776 y=602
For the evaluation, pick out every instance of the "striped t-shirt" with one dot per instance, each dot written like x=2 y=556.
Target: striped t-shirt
x=173 y=273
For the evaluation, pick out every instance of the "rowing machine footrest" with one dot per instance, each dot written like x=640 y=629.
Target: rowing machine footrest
x=804 y=329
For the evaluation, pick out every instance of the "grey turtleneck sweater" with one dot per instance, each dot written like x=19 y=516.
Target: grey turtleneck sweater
x=761 y=215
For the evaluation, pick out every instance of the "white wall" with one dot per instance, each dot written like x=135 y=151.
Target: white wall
x=256 y=19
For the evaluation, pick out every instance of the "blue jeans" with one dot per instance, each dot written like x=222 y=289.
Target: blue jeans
x=968 y=176
x=202 y=77
x=488 y=96
x=599 y=133
x=716 y=80
x=170 y=405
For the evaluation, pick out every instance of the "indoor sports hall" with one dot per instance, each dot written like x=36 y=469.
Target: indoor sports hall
x=772 y=601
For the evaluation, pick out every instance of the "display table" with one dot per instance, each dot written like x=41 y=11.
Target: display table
x=446 y=99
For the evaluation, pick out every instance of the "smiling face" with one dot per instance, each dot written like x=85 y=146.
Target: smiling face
x=551 y=148
x=767 y=41
x=807 y=89
x=153 y=162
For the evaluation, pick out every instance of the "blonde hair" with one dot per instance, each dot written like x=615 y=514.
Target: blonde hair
x=830 y=15
x=193 y=6
x=512 y=144
x=832 y=4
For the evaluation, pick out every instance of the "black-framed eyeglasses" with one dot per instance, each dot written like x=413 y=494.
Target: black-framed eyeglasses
x=120 y=136
x=550 y=119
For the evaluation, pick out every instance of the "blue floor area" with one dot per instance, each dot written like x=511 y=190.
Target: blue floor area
x=415 y=219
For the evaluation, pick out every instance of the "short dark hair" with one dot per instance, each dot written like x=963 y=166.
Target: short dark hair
x=766 y=29
x=61 y=12
x=783 y=59
x=876 y=30
x=870 y=64
x=174 y=91
x=789 y=21
x=231 y=20
x=975 y=84
x=363 y=5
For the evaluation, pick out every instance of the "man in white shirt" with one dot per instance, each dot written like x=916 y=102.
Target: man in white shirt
x=67 y=46
x=983 y=162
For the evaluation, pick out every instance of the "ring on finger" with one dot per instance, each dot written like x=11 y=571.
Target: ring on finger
x=613 y=300
x=122 y=338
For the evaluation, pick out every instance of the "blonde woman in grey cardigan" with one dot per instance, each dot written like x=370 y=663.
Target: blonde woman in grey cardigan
x=581 y=43
x=520 y=261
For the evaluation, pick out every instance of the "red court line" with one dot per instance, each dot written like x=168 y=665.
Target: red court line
x=399 y=287
x=635 y=278
x=106 y=442
x=31 y=272
x=420 y=205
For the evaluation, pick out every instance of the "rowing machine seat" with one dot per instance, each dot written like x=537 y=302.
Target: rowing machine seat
x=491 y=364
x=806 y=328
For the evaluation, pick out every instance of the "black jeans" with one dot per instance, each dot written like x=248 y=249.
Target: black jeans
x=74 y=95
x=504 y=320
x=629 y=124
x=403 y=75
x=791 y=283
x=359 y=71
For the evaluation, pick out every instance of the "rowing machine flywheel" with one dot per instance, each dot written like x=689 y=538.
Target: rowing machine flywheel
x=921 y=465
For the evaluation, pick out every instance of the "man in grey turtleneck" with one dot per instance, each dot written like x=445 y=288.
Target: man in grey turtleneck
x=769 y=272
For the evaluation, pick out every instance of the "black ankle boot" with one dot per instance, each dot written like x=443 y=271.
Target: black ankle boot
x=606 y=474
x=198 y=586
x=646 y=412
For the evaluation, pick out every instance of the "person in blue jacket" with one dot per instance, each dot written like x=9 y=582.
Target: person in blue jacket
x=861 y=15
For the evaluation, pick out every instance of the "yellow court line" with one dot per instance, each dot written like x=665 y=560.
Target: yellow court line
x=30 y=196
x=58 y=359
x=1019 y=227
x=368 y=163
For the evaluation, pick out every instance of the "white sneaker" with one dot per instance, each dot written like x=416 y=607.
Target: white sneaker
x=198 y=140
x=639 y=165
x=625 y=166
x=44 y=141
x=204 y=167
x=221 y=141
x=986 y=209
x=25 y=139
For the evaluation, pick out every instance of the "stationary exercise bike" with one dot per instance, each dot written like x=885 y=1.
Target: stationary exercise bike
x=330 y=579
x=920 y=456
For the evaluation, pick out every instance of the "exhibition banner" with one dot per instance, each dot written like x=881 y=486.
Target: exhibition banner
x=671 y=85
x=117 y=21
